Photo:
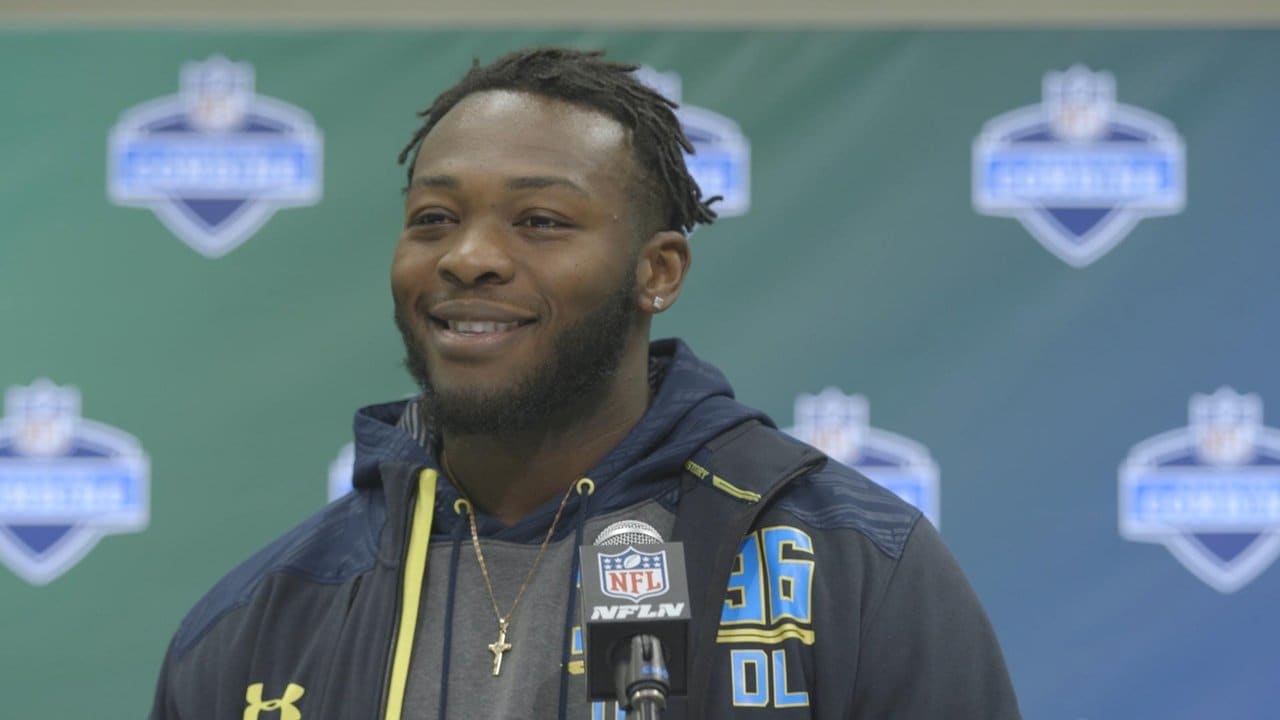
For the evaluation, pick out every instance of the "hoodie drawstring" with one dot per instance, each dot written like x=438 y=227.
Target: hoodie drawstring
x=585 y=488
x=413 y=569
x=459 y=506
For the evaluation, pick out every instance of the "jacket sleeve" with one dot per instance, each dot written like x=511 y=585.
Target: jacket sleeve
x=927 y=649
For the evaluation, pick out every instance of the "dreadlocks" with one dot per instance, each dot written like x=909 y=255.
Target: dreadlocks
x=585 y=78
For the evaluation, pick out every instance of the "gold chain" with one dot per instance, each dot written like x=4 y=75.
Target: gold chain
x=504 y=621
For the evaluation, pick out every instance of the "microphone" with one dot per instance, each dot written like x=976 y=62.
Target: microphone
x=635 y=618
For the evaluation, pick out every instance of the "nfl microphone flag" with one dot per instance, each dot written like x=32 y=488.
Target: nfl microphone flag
x=629 y=591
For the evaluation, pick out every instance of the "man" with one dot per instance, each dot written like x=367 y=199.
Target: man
x=545 y=224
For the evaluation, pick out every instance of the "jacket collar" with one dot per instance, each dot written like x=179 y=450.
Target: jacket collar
x=693 y=404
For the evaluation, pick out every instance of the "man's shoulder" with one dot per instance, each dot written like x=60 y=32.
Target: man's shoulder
x=818 y=492
x=838 y=497
x=330 y=547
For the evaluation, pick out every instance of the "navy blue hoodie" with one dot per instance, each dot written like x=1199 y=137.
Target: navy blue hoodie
x=815 y=593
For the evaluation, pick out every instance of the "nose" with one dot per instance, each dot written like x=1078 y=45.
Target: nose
x=477 y=256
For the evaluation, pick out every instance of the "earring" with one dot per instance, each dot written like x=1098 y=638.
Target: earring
x=657 y=303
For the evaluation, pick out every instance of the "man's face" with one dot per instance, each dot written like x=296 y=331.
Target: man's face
x=514 y=277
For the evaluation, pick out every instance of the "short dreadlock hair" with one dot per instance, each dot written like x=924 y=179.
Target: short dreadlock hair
x=585 y=78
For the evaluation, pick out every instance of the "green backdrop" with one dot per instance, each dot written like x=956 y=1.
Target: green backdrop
x=861 y=264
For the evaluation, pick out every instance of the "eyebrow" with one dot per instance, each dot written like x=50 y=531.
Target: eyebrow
x=531 y=182
x=538 y=182
x=435 y=181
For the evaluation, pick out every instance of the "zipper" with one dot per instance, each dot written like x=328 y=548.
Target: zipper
x=399 y=596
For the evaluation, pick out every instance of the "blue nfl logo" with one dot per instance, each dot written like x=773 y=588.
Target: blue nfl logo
x=839 y=425
x=342 y=471
x=633 y=575
x=1209 y=492
x=1079 y=170
x=217 y=160
x=721 y=161
x=65 y=482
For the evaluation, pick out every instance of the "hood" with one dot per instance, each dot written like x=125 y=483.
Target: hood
x=693 y=404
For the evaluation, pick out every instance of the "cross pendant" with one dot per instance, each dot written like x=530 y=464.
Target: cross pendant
x=499 y=647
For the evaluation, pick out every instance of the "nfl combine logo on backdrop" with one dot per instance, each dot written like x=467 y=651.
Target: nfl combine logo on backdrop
x=65 y=481
x=1079 y=170
x=341 y=471
x=634 y=575
x=839 y=425
x=215 y=161
x=1209 y=492
x=721 y=161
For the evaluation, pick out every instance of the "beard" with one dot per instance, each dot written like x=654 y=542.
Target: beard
x=572 y=381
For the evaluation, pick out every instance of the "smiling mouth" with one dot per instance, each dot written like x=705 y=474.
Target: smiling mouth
x=463 y=327
x=479 y=327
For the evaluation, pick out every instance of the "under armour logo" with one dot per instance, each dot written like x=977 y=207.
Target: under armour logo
x=253 y=696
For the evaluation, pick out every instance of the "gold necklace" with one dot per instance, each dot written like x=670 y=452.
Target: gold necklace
x=500 y=646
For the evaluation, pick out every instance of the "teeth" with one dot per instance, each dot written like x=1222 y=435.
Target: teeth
x=478 y=327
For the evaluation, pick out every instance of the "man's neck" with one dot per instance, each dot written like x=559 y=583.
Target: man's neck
x=511 y=476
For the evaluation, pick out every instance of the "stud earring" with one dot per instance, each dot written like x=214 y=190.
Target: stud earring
x=657 y=303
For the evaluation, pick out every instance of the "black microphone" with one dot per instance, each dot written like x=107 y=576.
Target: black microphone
x=635 y=616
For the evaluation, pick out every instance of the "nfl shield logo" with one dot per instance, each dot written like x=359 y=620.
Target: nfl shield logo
x=839 y=425
x=1209 y=492
x=721 y=161
x=65 y=482
x=633 y=575
x=341 y=471
x=1079 y=170
x=215 y=161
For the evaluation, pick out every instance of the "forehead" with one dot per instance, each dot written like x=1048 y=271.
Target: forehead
x=518 y=133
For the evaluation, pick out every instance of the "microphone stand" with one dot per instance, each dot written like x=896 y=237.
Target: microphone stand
x=641 y=678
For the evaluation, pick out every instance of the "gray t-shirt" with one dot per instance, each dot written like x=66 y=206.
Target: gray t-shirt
x=529 y=683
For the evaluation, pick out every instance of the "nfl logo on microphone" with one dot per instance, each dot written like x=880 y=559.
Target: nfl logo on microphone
x=634 y=575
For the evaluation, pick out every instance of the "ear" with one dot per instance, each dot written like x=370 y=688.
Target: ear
x=661 y=267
